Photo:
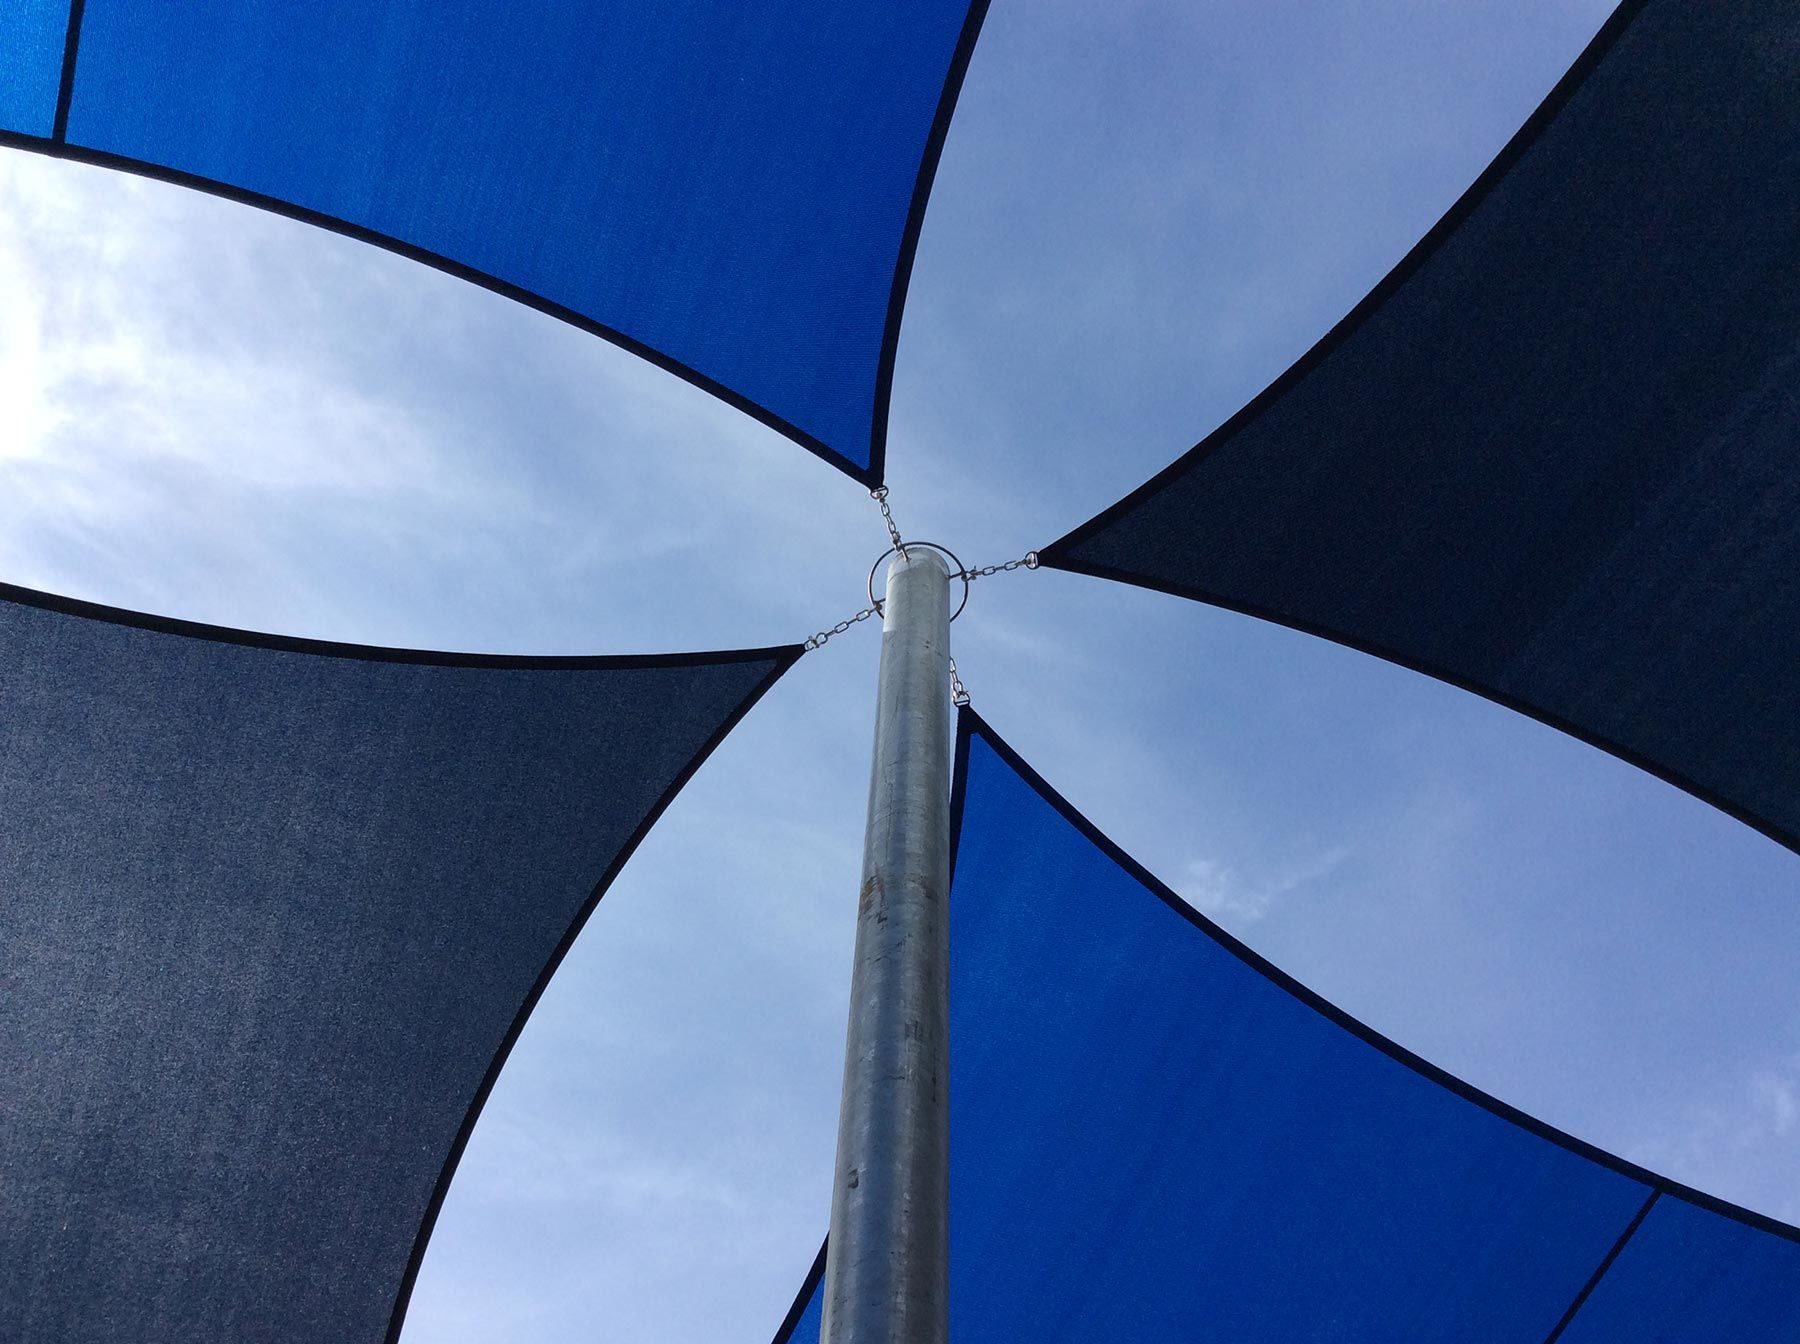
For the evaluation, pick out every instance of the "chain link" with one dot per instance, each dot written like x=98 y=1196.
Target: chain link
x=819 y=640
x=959 y=693
x=1027 y=561
x=880 y=495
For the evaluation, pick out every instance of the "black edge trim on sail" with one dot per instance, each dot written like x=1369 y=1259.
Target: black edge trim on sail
x=65 y=89
x=783 y=654
x=1425 y=667
x=909 y=242
x=102 y=159
x=786 y=657
x=814 y=1277
x=1606 y=1263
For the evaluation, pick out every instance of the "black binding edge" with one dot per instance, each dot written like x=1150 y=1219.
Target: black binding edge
x=58 y=149
x=909 y=241
x=814 y=1277
x=1667 y=774
x=1056 y=553
x=782 y=654
x=1593 y=1282
x=967 y=721
x=970 y=723
x=65 y=89
x=404 y=1296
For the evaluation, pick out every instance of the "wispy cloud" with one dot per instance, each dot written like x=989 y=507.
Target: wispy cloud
x=1776 y=1095
x=1740 y=1140
x=1231 y=895
x=598 y=1165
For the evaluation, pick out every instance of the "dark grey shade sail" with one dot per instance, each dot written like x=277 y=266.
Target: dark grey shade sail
x=1554 y=458
x=272 y=913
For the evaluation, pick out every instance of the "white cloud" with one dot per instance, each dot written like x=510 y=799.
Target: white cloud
x=1739 y=1139
x=1777 y=1096
x=1230 y=895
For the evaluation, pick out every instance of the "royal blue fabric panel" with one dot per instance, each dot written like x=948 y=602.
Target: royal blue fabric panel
x=1155 y=1136
x=32 y=34
x=1154 y=1140
x=1692 y=1276
x=725 y=184
x=269 y=918
x=806 y=1330
x=1553 y=458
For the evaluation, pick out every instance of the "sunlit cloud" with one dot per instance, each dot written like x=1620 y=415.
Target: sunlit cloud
x=1226 y=893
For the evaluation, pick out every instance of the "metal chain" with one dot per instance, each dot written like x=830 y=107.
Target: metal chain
x=880 y=495
x=959 y=693
x=818 y=641
x=1027 y=561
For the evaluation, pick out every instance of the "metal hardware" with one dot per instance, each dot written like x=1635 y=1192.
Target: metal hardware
x=945 y=551
x=959 y=693
x=880 y=495
x=818 y=641
x=1027 y=561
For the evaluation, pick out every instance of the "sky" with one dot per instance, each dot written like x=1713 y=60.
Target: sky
x=1144 y=212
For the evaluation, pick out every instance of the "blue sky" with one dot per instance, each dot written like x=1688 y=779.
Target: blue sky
x=1144 y=212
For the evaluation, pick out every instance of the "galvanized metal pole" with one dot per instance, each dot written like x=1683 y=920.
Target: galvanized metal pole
x=887 y=1266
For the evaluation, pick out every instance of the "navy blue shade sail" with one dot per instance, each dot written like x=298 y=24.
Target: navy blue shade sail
x=1554 y=458
x=272 y=913
x=1157 y=1136
x=731 y=190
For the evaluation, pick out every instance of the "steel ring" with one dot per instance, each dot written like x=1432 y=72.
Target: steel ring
x=944 y=551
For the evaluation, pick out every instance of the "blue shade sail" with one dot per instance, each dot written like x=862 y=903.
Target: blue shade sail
x=32 y=36
x=1553 y=457
x=1690 y=1276
x=732 y=190
x=272 y=913
x=1157 y=1136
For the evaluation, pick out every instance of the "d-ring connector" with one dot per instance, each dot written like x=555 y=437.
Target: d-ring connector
x=956 y=572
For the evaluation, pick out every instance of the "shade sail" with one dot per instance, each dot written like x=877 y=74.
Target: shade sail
x=1157 y=1136
x=271 y=914
x=1687 y=1276
x=32 y=34
x=1552 y=458
x=732 y=190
